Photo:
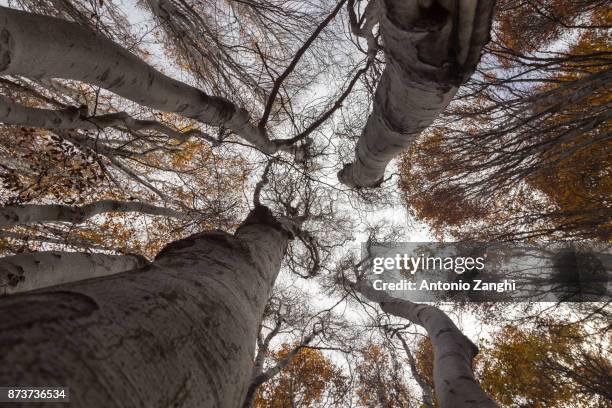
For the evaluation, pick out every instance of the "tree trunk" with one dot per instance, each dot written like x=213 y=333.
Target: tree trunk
x=429 y=52
x=179 y=332
x=25 y=272
x=39 y=46
x=425 y=388
x=32 y=213
x=454 y=380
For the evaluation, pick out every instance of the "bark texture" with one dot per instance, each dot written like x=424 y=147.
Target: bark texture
x=39 y=46
x=179 y=332
x=260 y=376
x=454 y=380
x=426 y=391
x=431 y=48
x=31 y=213
x=25 y=272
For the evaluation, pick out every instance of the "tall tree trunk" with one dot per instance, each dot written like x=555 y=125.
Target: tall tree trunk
x=179 y=332
x=45 y=47
x=25 y=272
x=431 y=47
x=454 y=380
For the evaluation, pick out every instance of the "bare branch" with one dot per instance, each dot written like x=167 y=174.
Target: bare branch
x=298 y=55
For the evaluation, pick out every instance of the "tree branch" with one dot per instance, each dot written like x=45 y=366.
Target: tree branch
x=25 y=272
x=327 y=114
x=73 y=118
x=429 y=51
x=33 y=213
x=298 y=55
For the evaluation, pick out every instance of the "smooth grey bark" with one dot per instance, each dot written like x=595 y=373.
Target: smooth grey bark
x=260 y=376
x=179 y=332
x=36 y=270
x=12 y=113
x=39 y=46
x=454 y=381
x=32 y=213
x=431 y=48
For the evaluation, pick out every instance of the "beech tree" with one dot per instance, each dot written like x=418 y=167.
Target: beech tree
x=306 y=355
x=237 y=292
x=453 y=375
x=106 y=152
x=25 y=272
x=521 y=153
x=552 y=363
x=421 y=76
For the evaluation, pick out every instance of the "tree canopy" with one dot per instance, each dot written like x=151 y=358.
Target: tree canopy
x=189 y=191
